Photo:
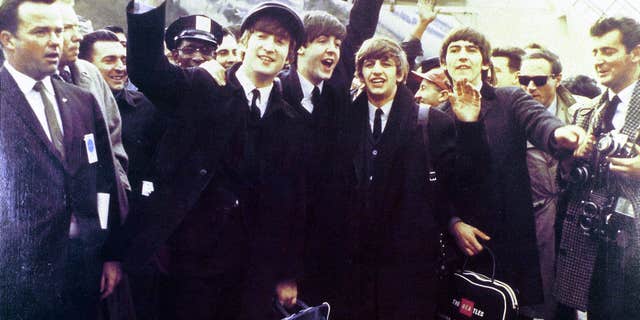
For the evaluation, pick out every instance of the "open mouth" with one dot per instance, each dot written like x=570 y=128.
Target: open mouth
x=463 y=67
x=377 y=81
x=328 y=63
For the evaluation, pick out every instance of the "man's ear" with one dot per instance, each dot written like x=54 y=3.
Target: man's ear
x=443 y=96
x=7 y=40
x=635 y=54
x=558 y=78
x=301 y=50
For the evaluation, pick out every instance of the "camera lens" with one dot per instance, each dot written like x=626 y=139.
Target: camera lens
x=589 y=215
x=607 y=145
x=579 y=175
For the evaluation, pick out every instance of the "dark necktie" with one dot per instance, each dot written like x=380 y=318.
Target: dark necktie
x=66 y=76
x=254 y=111
x=52 y=122
x=609 y=112
x=315 y=98
x=377 y=124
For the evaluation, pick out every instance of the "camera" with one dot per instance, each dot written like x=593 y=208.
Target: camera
x=602 y=212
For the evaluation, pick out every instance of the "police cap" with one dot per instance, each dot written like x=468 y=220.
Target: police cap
x=193 y=27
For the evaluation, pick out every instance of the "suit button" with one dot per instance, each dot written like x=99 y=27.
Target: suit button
x=203 y=172
x=374 y=152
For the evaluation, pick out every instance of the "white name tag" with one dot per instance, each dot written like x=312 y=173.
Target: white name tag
x=90 y=146
x=147 y=188
x=103 y=209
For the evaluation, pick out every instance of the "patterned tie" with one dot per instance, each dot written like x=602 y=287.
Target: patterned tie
x=52 y=122
x=254 y=111
x=377 y=124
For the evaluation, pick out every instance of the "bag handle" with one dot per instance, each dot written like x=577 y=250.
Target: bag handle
x=299 y=303
x=493 y=263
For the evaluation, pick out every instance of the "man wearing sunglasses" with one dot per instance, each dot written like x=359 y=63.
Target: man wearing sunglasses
x=540 y=75
x=193 y=40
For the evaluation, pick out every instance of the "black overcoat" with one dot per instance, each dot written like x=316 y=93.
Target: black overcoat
x=498 y=199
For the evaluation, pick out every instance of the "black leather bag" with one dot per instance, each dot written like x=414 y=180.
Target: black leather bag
x=469 y=295
x=305 y=312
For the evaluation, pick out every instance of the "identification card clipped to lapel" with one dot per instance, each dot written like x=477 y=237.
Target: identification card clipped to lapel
x=90 y=146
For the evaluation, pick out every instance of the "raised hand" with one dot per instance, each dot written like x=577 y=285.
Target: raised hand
x=427 y=11
x=465 y=101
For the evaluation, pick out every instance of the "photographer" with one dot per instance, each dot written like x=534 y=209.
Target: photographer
x=598 y=257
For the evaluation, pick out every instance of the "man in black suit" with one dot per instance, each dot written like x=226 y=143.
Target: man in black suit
x=317 y=87
x=497 y=122
x=389 y=221
x=56 y=164
x=229 y=197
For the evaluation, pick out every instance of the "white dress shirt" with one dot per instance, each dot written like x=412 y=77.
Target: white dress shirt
x=248 y=87
x=386 y=108
x=623 y=106
x=307 y=89
x=26 y=84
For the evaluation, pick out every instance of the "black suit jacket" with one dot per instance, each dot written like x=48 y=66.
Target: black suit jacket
x=496 y=197
x=223 y=184
x=387 y=217
x=41 y=190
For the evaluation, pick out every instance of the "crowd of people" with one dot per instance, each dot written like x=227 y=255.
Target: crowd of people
x=202 y=171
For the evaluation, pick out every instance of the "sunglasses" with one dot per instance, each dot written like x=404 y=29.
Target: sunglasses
x=539 y=81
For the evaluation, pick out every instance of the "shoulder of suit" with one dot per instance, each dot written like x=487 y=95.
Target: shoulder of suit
x=87 y=68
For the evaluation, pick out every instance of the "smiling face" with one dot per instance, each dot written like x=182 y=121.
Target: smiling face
x=381 y=78
x=615 y=67
x=318 y=59
x=227 y=52
x=35 y=47
x=265 y=55
x=464 y=61
x=110 y=58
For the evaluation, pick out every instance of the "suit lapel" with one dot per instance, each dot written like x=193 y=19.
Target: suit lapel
x=360 y=133
x=632 y=119
x=488 y=94
x=15 y=100
x=398 y=125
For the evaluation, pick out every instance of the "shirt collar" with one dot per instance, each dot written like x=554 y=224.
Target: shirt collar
x=553 y=107
x=307 y=86
x=248 y=86
x=386 y=108
x=26 y=83
x=624 y=95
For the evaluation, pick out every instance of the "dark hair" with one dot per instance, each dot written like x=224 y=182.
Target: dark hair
x=582 y=85
x=273 y=26
x=9 y=13
x=235 y=30
x=114 y=29
x=552 y=58
x=86 y=45
x=382 y=48
x=629 y=28
x=473 y=36
x=513 y=55
x=534 y=46
x=320 y=23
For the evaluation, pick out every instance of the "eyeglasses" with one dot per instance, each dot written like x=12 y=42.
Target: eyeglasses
x=205 y=51
x=539 y=81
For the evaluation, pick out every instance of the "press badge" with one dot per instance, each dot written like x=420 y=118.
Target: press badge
x=147 y=188
x=90 y=146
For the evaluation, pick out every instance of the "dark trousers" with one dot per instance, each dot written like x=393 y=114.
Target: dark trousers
x=81 y=291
